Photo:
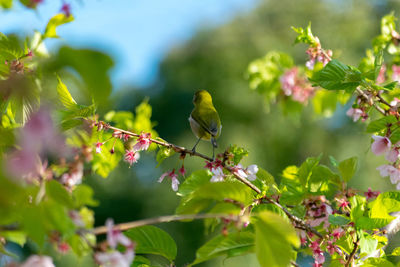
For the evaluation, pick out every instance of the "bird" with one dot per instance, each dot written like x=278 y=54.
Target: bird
x=204 y=120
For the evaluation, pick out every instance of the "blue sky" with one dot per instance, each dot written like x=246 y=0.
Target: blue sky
x=136 y=33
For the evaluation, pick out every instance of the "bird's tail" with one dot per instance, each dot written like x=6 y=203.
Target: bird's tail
x=214 y=142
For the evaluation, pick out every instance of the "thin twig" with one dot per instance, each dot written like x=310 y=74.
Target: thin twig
x=176 y=148
x=162 y=219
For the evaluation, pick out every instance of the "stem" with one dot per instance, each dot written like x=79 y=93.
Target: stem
x=162 y=219
x=353 y=253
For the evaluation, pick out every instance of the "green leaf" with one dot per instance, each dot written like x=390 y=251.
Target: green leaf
x=333 y=161
x=395 y=252
x=238 y=153
x=163 y=153
x=83 y=195
x=305 y=36
x=378 y=63
x=6 y=3
x=377 y=262
x=368 y=244
x=381 y=124
x=265 y=181
x=54 y=22
x=337 y=219
x=153 y=240
x=57 y=192
x=224 y=245
x=18 y=237
x=64 y=95
x=92 y=67
x=337 y=76
x=274 y=240
x=347 y=168
x=366 y=223
x=358 y=207
x=194 y=181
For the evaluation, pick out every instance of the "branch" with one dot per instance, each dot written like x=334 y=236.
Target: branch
x=371 y=101
x=183 y=150
x=162 y=219
x=353 y=253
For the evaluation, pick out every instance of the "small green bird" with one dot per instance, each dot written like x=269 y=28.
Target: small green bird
x=204 y=119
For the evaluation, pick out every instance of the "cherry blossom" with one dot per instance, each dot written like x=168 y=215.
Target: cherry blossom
x=297 y=87
x=396 y=73
x=143 y=142
x=355 y=113
x=174 y=179
x=38 y=261
x=392 y=172
x=371 y=194
x=98 y=147
x=131 y=156
x=380 y=145
x=218 y=175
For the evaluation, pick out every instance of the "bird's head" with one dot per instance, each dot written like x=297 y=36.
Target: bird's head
x=201 y=96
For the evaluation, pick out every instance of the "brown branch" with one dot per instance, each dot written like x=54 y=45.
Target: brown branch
x=162 y=219
x=183 y=150
x=176 y=148
x=353 y=253
x=370 y=101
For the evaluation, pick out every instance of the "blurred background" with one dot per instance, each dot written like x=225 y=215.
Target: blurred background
x=168 y=49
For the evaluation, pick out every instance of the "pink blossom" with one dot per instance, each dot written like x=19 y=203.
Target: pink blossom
x=371 y=194
x=218 y=175
x=98 y=147
x=38 y=261
x=66 y=9
x=392 y=172
x=74 y=176
x=182 y=171
x=355 y=113
x=30 y=53
x=63 y=247
x=343 y=203
x=316 y=53
x=238 y=169
x=174 y=179
x=209 y=165
x=380 y=145
x=393 y=155
x=337 y=233
x=296 y=86
x=143 y=142
x=115 y=258
x=331 y=247
x=396 y=73
x=381 y=76
x=115 y=237
x=131 y=156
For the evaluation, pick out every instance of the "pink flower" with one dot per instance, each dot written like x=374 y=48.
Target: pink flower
x=115 y=258
x=63 y=247
x=355 y=113
x=209 y=165
x=316 y=53
x=143 y=142
x=115 y=237
x=131 y=156
x=30 y=53
x=182 y=171
x=371 y=194
x=238 y=169
x=393 y=154
x=396 y=73
x=218 y=175
x=38 y=261
x=296 y=86
x=337 y=233
x=174 y=179
x=381 y=76
x=343 y=203
x=98 y=147
x=392 y=172
x=74 y=176
x=380 y=145
x=66 y=9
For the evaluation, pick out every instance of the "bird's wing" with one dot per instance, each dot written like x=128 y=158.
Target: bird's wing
x=210 y=125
